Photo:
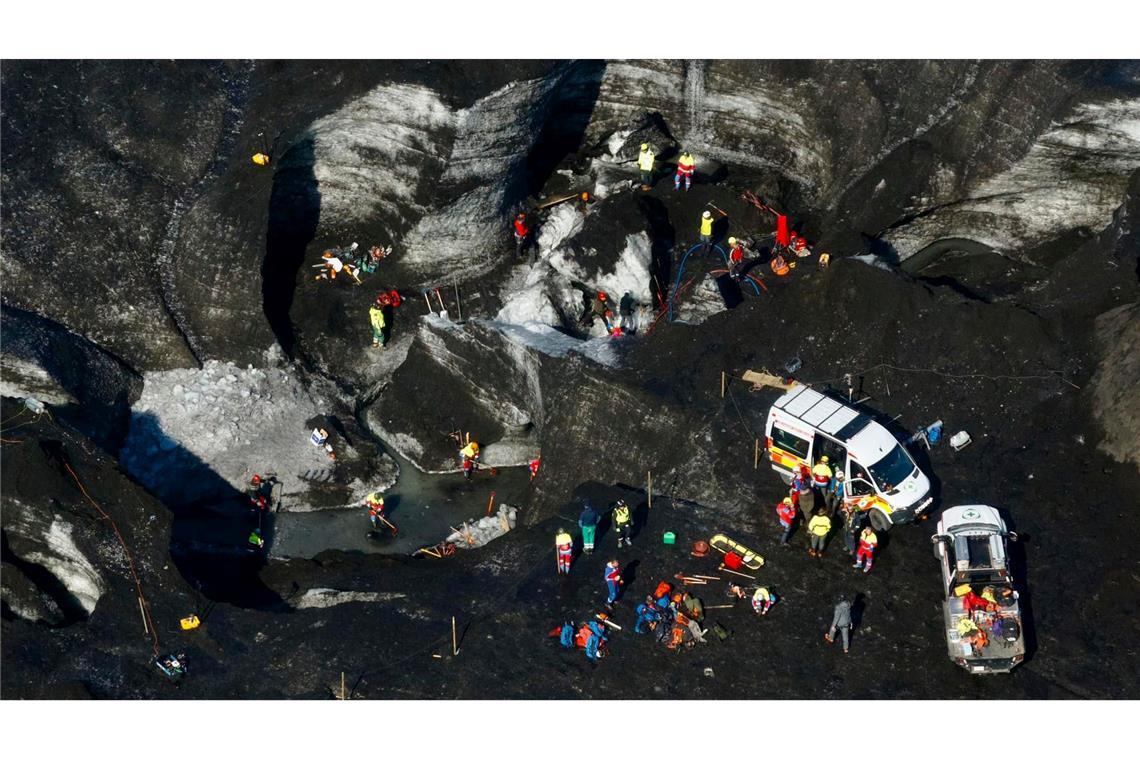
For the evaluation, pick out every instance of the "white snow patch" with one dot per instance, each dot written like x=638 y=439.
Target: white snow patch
x=1074 y=176
x=66 y=562
x=320 y=598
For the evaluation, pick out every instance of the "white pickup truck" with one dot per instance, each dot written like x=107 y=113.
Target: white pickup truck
x=983 y=619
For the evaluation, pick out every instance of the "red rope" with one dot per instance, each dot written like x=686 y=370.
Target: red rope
x=130 y=560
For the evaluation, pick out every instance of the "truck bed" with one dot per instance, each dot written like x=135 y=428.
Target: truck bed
x=998 y=654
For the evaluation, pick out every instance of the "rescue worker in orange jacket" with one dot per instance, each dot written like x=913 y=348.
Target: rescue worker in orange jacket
x=780 y=265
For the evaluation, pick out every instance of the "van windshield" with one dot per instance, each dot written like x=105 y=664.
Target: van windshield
x=892 y=469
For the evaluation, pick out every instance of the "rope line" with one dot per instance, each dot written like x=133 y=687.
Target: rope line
x=130 y=559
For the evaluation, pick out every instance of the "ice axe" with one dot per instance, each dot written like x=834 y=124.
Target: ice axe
x=721 y=211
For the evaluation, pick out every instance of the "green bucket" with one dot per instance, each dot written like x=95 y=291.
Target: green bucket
x=669 y=538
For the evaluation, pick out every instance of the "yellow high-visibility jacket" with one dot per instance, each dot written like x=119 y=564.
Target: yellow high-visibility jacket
x=645 y=160
x=820 y=525
x=706 y=226
x=376 y=315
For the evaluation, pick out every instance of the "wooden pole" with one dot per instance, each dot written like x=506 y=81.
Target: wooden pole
x=718 y=607
x=649 y=489
x=142 y=612
x=454 y=641
x=723 y=379
x=756 y=455
x=724 y=569
x=428 y=300
x=441 y=306
x=490 y=503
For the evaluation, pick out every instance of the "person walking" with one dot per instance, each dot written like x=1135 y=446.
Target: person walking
x=623 y=523
x=588 y=522
x=818 y=529
x=840 y=621
x=564 y=548
x=786 y=513
x=613 y=582
x=868 y=542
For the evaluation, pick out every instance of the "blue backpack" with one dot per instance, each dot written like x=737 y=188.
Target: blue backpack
x=567 y=638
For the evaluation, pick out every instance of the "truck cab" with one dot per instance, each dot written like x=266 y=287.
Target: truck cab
x=981 y=613
x=881 y=476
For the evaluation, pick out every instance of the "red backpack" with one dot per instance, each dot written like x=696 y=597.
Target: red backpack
x=663 y=589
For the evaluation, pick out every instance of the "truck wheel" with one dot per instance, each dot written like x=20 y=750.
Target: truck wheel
x=879 y=521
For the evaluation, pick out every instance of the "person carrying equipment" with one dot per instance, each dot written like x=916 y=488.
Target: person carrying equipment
x=645 y=161
x=818 y=529
x=612 y=575
x=564 y=548
x=623 y=523
x=686 y=166
x=762 y=600
x=375 y=503
x=868 y=542
x=841 y=621
x=786 y=513
x=706 y=229
x=588 y=522
x=376 y=319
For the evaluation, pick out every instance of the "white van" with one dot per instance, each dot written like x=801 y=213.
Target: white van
x=882 y=478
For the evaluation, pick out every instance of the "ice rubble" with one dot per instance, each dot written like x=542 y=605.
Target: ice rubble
x=67 y=563
x=233 y=421
x=476 y=533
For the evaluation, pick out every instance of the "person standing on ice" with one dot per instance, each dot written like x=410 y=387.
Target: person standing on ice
x=522 y=233
x=686 y=166
x=613 y=582
x=625 y=309
x=533 y=467
x=588 y=522
x=645 y=161
x=564 y=551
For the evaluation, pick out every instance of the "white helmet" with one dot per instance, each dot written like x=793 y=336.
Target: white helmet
x=706 y=214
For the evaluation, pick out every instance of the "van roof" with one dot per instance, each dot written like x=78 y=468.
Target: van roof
x=822 y=412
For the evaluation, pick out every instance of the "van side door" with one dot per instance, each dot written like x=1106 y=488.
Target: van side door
x=787 y=447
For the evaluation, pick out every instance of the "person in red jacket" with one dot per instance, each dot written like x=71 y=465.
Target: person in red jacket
x=257 y=500
x=613 y=582
x=533 y=467
x=468 y=467
x=522 y=233
x=786 y=512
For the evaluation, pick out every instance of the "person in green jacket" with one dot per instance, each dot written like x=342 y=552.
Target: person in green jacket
x=818 y=529
x=376 y=317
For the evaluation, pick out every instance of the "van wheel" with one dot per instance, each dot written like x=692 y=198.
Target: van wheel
x=880 y=522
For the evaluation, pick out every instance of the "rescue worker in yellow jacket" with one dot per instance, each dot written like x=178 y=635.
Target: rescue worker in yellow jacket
x=706 y=228
x=376 y=318
x=645 y=161
x=564 y=551
x=470 y=451
x=821 y=479
x=818 y=529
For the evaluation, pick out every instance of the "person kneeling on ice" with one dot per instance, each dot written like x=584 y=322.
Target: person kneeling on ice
x=648 y=616
x=868 y=542
x=762 y=600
